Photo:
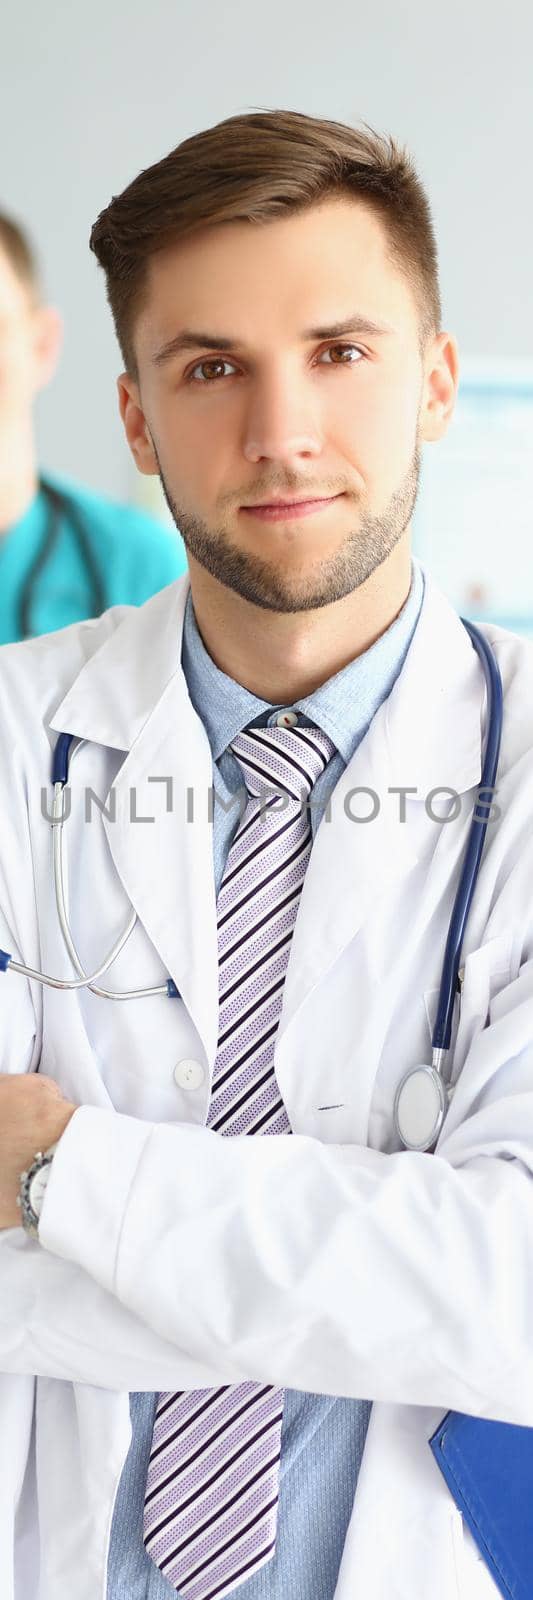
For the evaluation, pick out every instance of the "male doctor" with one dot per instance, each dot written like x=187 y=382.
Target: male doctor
x=233 y=1309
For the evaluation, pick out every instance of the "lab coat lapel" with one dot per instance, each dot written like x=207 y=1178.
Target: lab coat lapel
x=166 y=865
x=132 y=695
x=425 y=735
x=351 y=864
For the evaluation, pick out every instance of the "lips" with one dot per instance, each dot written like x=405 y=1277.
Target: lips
x=277 y=511
x=301 y=499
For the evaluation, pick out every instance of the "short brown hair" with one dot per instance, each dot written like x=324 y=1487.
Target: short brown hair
x=15 y=243
x=254 y=168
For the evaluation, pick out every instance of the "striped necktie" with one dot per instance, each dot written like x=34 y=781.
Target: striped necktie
x=210 y=1512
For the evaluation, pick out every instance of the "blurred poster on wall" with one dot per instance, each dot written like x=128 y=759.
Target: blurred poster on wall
x=473 y=522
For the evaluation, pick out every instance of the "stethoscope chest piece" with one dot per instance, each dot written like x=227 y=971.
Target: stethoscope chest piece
x=420 y=1106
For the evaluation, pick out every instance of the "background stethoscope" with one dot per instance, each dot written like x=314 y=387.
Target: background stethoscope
x=59 y=505
x=422 y=1098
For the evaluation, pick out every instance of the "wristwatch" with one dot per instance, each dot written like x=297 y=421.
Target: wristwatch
x=33 y=1189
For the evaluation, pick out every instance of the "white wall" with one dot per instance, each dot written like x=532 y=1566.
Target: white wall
x=89 y=95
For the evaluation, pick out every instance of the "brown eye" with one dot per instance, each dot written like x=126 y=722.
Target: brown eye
x=343 y=348
x=215 y=361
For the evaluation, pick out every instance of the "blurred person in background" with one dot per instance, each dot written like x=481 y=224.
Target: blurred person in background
x=66 y=553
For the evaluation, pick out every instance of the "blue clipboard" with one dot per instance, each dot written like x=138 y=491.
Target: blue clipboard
x=488 y=1467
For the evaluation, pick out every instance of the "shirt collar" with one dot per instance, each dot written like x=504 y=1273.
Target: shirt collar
x=343 y=706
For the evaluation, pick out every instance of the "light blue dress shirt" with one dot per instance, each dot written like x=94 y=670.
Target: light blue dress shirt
x=323 y=1438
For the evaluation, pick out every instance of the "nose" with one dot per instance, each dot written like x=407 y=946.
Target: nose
x=282 y=422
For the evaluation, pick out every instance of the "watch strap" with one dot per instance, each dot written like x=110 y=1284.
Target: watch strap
x=29 y=1216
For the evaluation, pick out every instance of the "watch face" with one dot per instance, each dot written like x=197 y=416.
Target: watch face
x=37 y=1189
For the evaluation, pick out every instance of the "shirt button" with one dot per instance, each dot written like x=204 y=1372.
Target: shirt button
x=286 y=719
x=189 y=1074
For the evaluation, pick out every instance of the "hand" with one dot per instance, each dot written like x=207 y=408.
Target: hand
x=33 y=1115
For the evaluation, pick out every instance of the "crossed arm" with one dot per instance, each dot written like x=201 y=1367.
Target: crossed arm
x=172 y=1257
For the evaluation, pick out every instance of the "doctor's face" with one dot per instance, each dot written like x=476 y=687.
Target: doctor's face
x=16 y=348
x=249 y=391
x=29 y=346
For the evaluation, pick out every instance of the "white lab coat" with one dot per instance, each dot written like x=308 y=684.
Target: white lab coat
x=328 y=1261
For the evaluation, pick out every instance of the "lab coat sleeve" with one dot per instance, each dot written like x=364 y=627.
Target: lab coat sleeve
x=55 y=1321
x=339 y=1269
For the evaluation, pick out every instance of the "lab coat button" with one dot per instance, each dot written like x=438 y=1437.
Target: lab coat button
x=189 y=1074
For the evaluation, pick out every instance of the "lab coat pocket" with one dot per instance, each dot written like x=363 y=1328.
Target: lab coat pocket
x=474 y=1580
x=482 y=974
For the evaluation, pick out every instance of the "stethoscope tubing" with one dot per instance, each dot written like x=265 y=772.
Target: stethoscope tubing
x=62 y=906
x=476 y=838
x=422 y=1097
x=62 y=756
x=448 y=987
x=59 y=504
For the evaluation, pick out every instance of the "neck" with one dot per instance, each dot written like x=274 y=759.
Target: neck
x=18 y=486
x=281 y=656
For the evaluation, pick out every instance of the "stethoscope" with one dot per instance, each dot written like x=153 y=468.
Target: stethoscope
x=422 y=1098
x=59 y=505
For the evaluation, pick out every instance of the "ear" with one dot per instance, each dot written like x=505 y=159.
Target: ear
x=135 y=425
x=441 y=381
x=47 y=343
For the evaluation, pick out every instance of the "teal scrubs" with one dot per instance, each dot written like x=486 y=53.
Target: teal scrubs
x=135 y=554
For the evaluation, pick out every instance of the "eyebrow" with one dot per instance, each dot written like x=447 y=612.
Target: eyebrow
x=190 y=339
